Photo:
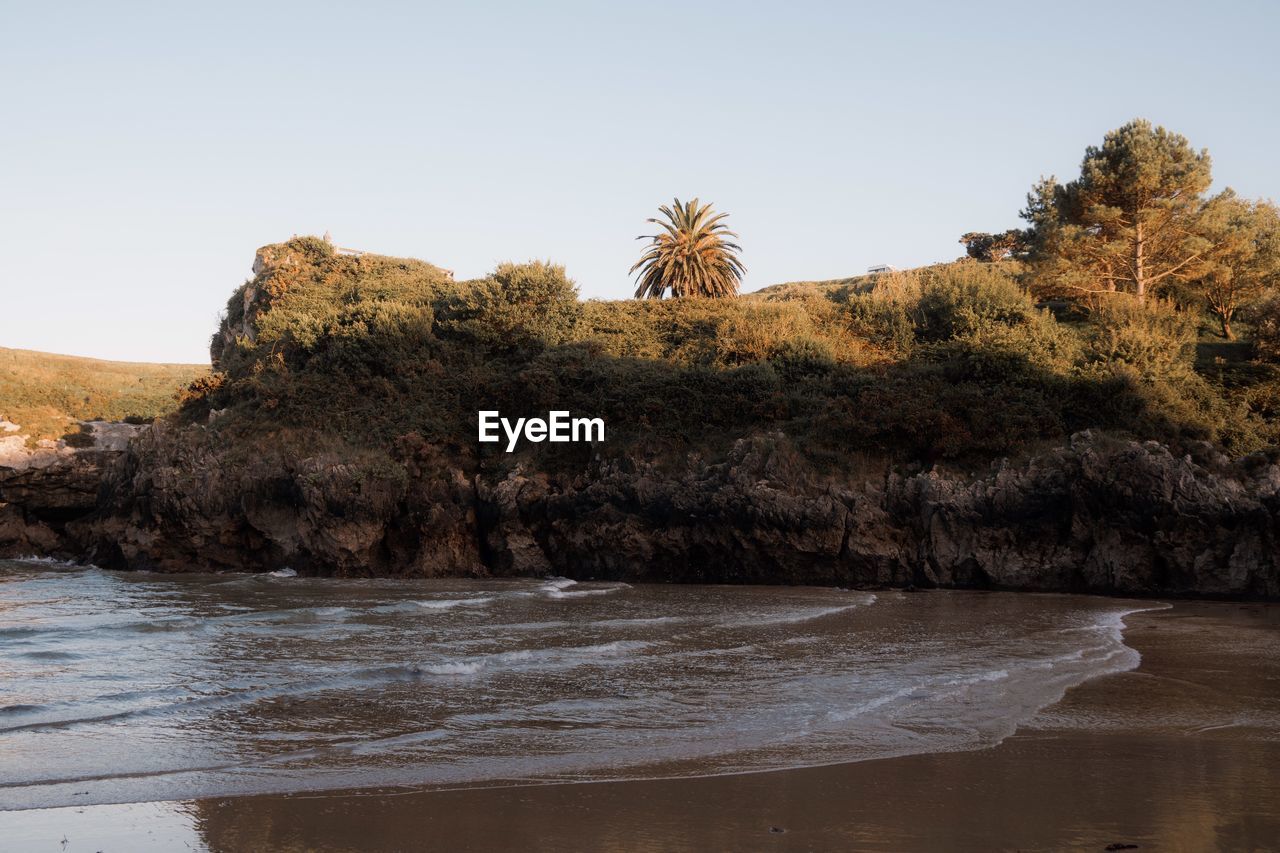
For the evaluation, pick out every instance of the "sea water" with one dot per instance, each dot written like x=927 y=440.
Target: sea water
x=120 y=687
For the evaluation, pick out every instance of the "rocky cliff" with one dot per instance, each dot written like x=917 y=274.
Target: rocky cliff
x=1095 y=515
x=44 y=488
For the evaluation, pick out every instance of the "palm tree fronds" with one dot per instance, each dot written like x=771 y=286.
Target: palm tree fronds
x=692 y=256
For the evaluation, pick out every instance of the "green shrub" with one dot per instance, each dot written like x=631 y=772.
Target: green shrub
x=724 y=333
x=1156 y=340
x=886 y=313
x=518 y=306
x=980 y=306
x=302 y=287
x=366 y=336
x=969 y=299
x=1264 y=316
x=1117 y=397
x=803 y=357
x=749 y=333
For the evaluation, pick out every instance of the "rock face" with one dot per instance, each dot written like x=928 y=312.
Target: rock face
x=43 y=489
x=1098 y=515
x=173 y=504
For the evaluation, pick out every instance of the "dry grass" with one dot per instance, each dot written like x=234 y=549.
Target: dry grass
x=46 y=394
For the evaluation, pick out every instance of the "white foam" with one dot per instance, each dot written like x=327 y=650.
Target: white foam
x=578 y=593
x=286 y=572
x=456 y=668
x=863 y=708
x=516 y=657
x=639 y=621
x=44 y=561
x=614 y=648
x=559 y=583
x=802 y=616
x=980 y=678
x=559 y=592
x=450 y=603
x=553 y=657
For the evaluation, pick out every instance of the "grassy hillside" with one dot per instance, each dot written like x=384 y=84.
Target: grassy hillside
x=45 y=394
x=827 y=287
x=840 y=289
x=951 y=362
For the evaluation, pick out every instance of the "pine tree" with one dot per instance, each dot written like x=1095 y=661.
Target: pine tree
x=1131 y=223
x=1245 y=259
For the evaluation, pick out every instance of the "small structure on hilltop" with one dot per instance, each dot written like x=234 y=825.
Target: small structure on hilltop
x=342 y=250
x=879 y=268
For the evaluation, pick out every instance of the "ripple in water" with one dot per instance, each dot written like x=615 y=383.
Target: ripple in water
x=124 y=687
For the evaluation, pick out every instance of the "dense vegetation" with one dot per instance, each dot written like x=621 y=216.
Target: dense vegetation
x=46 y=394
x=953 y=362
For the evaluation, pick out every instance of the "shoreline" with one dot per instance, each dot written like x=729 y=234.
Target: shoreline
x=1155 y=597
x=1182 y=752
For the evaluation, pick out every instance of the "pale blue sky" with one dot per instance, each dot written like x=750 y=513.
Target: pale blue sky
x=147 y=149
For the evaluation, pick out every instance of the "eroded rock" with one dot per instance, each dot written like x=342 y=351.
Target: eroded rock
x=1096 y=515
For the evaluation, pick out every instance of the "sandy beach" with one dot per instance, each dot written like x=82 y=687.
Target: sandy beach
x=1182 y=753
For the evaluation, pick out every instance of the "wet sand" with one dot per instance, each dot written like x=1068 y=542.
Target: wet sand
x=1181 y=754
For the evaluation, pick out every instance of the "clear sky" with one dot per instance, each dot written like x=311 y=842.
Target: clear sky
x=147 y=149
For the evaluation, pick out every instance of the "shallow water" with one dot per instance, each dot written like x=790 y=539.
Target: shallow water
x=130 y=687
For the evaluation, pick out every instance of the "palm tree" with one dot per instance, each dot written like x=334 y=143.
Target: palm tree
x=691 y=257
